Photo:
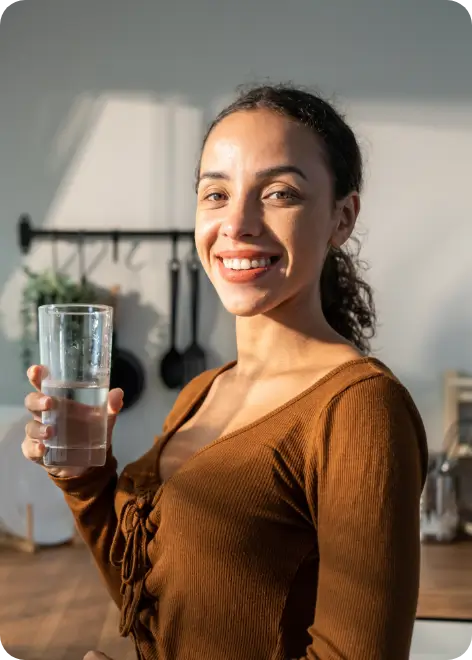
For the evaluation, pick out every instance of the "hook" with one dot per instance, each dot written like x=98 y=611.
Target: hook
x=129 y=258
x=25 y=233
x=175 y=256
x=55 y=258
x=174 y=238
x=80 y=244
x=193 y=258
x=115 y=238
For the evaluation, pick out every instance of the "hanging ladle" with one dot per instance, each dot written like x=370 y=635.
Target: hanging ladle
x=194 y=358
x=171 y=366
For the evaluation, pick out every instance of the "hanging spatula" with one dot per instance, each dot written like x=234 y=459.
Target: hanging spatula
x=171 y=366
x=194 y=358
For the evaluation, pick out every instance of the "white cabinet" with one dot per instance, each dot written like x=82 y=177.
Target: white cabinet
x=441 y=640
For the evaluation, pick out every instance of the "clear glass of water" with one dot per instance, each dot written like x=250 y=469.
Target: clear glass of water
x=75 y=347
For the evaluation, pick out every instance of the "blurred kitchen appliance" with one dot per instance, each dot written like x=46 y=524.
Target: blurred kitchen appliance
x=439 y=519
x=458 y=440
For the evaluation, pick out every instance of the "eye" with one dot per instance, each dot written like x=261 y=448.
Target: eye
x=281 y=194
x=284 y=194
x=215 y=197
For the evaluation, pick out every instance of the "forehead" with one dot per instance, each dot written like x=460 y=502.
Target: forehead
x=259 y=139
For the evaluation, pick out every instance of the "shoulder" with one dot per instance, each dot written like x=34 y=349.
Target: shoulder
x=361 y=382
x=364 y=404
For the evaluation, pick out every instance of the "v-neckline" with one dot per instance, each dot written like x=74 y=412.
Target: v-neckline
x=200 y=396
x=195 y=402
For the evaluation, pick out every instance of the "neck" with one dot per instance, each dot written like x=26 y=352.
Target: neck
x=277 y=342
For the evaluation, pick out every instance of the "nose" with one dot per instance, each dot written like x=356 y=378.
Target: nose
x=243 y=219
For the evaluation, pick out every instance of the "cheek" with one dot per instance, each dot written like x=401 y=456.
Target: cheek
x=301 y=234
x=206 y=233
x=307 y=241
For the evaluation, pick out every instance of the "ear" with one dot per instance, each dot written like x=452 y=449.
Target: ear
x=345 y=217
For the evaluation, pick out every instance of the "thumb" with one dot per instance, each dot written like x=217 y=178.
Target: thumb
x=115 y=401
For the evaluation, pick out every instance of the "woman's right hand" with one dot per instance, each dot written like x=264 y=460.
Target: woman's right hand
x=36 y=433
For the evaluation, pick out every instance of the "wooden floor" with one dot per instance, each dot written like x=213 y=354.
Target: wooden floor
x=53 y=606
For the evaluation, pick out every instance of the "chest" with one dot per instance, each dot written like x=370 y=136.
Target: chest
x=230 y=407
x=238 y=489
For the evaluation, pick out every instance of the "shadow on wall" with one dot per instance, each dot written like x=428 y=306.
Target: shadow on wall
x=128 y=162
x=31 y=185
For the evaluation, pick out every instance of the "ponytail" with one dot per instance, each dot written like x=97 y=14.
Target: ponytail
x=346 y=299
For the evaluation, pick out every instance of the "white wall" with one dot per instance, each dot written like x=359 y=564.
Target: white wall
x=103 y=104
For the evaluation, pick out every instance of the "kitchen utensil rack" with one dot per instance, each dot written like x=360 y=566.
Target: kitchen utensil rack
x=27 y=234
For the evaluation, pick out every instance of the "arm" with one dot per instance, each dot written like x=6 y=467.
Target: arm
x=91 y=499
x=367 y=472
x=94 y=498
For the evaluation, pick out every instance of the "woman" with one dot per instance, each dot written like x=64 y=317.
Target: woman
x=276 y=517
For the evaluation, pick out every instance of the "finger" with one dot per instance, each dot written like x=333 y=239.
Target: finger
x=33 y=450
x=36 y=374
x=96 y=655
x=115 y=401
x=37 y=403
x=37 y=431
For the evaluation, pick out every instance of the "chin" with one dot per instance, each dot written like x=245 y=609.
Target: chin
x=249 y=297
x=247 y=304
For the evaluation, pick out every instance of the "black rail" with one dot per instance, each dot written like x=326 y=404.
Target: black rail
x=27 y=234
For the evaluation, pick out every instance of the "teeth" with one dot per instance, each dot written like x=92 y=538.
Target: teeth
x=246 y=264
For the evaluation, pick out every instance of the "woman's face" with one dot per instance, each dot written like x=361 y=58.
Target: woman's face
x=265 y=211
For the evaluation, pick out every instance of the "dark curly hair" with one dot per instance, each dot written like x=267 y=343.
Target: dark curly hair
x=346 y=298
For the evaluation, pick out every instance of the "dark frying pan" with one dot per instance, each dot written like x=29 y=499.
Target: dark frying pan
x=127 y=373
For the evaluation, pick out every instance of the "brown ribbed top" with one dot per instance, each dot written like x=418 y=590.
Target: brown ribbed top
x=295 y=537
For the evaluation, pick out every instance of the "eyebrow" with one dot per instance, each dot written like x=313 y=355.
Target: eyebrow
x=261 y=174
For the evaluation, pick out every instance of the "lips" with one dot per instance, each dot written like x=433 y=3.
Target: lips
x=245 y=265
x=245 y=254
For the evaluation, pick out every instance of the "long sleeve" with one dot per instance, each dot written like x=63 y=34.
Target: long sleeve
x=367 y=473
x=91 y=499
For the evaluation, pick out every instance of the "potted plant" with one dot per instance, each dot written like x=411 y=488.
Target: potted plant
x=49 y=287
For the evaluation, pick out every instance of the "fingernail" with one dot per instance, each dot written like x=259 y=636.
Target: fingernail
x=45 y=401
x=44 y=430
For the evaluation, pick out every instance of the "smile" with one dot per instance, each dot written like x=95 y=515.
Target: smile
x=249 y=264
x=245 y=269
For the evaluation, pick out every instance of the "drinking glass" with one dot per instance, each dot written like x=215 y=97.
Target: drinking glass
x=75 y=347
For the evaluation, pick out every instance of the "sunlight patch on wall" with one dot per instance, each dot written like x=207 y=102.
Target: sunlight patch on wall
x=129 y=162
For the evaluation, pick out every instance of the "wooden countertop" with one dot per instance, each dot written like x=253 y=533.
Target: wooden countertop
x=446 y=581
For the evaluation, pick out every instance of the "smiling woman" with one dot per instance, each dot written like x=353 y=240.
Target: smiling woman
x=277 y=514
x=313 y=169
